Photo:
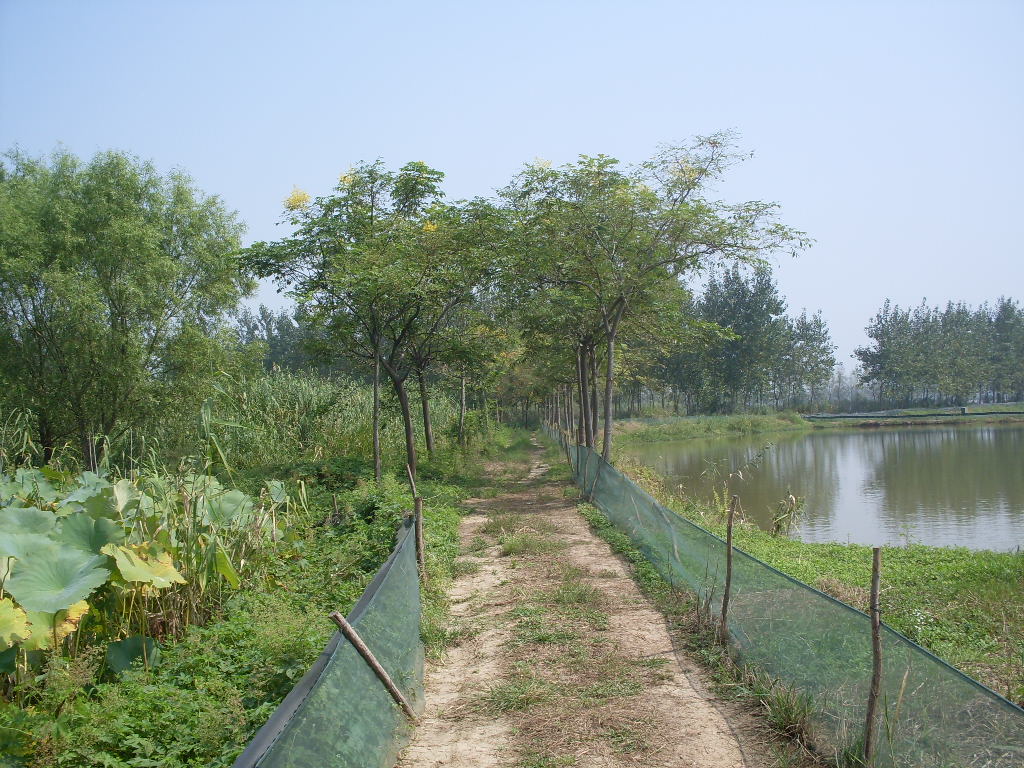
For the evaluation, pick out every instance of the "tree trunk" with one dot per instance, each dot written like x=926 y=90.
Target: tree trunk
x=462 y=413
x=428 y=430
x=593 y=397
x=410 y=434
x=609 y=379
x=586 y=436
x=378 y=464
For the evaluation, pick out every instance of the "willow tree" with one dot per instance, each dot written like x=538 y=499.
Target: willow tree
x=114 y=281
x=615 y=236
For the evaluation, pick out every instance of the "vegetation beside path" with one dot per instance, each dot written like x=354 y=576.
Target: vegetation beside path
x=965 y=606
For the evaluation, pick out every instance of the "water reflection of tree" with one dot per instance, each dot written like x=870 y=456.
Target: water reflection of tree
x=952 y=471
x=806 y=465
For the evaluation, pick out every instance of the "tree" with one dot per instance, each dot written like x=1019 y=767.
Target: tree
x=380 y=267
x=617 y=237
x=114 y=282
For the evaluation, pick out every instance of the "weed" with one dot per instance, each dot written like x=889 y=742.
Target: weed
x=522 y=691
x=523 y=543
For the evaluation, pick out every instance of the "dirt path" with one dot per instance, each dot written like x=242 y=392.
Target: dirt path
x=562 y=661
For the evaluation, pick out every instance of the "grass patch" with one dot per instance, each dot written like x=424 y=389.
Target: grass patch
x=653 y=430
x=525 y=543
x=523 y=690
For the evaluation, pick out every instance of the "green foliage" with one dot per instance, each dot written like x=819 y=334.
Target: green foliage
x=113 y=283
x=931 y=356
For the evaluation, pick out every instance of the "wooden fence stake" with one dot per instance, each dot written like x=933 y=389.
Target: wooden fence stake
x=421 y=551
x=353 y=637
x=723 y=627
x=876 y=657
x=412 y=480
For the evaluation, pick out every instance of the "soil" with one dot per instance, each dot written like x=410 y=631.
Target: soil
x=562 y=661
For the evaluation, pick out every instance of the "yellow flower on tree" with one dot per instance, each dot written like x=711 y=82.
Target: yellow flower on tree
x=430 y=227
x=297 y=199
x=346 y=179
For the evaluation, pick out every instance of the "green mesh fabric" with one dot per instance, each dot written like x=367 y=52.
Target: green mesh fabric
x=932 y=715
x=346 y=718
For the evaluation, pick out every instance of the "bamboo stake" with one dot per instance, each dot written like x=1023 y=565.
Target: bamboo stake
x=870 y=726
x=421 y=552
x=353 y=637
x=723 y=627
x=412 y=480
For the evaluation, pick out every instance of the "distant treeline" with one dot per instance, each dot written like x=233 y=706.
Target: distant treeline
x=951 y=356
x=740 y=350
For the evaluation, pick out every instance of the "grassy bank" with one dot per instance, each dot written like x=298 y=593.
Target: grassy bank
x=669 y=428
x=684 y=427
x=965 y=606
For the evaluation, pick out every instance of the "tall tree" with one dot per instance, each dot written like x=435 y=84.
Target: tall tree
x=617 y=236
x=378 y=267
x=114 y=282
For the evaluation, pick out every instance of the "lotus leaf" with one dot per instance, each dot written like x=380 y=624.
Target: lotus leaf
x=8 y=660
x=123 y=653
x=50 y=581
x=32 y=484
x=94 y=495
x=278 y=495
x=126 y=497
x=26 y=520
x=47 y=627
x=13 y=624
x=25 y=545
x=148 y=569
x=83 y=532
x=228 y=508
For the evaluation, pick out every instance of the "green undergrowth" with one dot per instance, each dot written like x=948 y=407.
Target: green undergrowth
x=685 y=427
x=219 y=683
x=965 y=606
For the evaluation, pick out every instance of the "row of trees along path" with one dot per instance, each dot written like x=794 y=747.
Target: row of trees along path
x=543 y=281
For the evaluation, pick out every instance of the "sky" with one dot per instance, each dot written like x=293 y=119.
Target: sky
x=891 y=132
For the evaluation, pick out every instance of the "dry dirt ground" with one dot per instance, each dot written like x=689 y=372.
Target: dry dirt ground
x=561 y=660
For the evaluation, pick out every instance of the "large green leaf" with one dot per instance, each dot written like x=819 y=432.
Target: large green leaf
x=24 y=545
x=53 y=581
x=225 y=568
x=233 y=507
x=8 y=660
x=278 y=494
x=94 y=495
x=126 y=497
x=123 y=653
x=13 y=624
x=46 y=627
x=26 y=520
x=89 y=535
x=148 y=569
x=32 y=484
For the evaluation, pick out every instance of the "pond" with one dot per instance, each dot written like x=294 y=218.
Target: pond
x=939 y=485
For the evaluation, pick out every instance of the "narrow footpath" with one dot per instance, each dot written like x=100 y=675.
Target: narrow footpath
x=560 y=660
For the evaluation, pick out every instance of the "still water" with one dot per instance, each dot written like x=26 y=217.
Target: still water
x=947 y=486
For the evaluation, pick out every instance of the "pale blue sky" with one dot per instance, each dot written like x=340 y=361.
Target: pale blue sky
x=892 y=132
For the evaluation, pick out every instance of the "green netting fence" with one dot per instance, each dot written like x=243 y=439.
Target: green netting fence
x=339 y=715
x=931 y=715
